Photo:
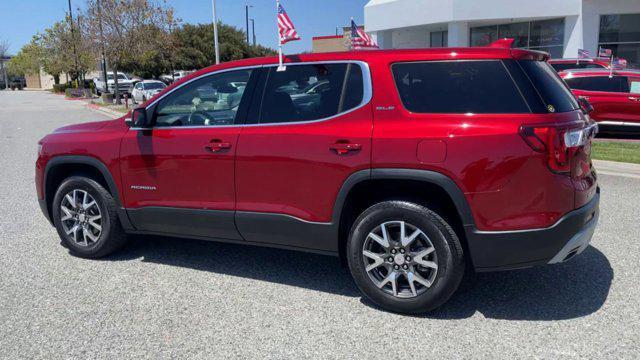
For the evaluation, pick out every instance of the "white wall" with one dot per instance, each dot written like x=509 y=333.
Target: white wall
x=405 y=23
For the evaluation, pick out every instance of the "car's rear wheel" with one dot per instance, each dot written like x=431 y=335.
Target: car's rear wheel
x=405 y=257
x=85 y=215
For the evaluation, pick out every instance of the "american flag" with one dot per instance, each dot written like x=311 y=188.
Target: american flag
x=584 y=54
x=360 y=39
x=285 y=27
x=604 y=52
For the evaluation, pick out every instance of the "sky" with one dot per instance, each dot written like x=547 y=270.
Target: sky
x=21 y=19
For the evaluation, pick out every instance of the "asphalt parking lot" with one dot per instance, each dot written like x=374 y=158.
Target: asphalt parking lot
x=173 y=298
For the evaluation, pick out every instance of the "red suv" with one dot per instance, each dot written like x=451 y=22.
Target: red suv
x=615 y=97
x=407 y=164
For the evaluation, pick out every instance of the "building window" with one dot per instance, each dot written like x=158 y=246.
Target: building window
x=545 y=35
x=621 y=34
x=439 y=39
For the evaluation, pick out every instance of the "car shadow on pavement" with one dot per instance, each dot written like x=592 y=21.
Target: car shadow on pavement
x=555 y=292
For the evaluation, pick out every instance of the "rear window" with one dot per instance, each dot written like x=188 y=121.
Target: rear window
x=567 y=66
x=553 y=91
x=599 y=83
x=481 y=87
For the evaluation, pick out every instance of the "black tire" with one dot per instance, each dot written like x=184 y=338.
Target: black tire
x=450 y=257
x=112 y=236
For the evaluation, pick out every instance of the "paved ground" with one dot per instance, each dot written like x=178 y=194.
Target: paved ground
x=169 y=298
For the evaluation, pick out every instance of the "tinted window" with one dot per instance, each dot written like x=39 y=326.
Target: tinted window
x=550 y=87
x=154 y=85
x=212 y=100
x=311 y=92
x=458 y=87
x=562 y=67
x=599 y=83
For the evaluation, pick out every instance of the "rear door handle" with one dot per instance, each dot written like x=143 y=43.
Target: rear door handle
x=343 y=148
x=633 y=98
x=217 y=145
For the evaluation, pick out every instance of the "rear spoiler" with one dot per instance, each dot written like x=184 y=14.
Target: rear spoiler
x=520 y=54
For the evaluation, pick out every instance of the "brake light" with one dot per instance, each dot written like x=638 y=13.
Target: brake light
x=558 y=142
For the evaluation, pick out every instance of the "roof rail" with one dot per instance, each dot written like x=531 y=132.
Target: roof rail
x=505 y=43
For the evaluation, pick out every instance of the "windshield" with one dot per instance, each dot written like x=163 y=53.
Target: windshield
x=153 y=86
x=120 y=77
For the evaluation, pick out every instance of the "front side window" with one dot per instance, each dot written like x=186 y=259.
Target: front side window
x=599 y=83
x=634 y=85
x=210 y=101
x=481 y=87
x=311 y=92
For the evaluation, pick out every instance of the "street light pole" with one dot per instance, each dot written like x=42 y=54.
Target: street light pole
x=253 y=31
x=246 y=19
x=73 y=39
x=103 y=61
x=215 y=32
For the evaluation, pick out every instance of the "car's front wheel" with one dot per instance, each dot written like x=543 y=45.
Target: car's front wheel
x=85 y=215
x=405 y=257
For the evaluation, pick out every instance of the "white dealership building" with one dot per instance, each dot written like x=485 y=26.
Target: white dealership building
x=560 y=27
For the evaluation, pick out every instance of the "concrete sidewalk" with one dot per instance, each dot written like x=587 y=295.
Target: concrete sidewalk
x=617 y=168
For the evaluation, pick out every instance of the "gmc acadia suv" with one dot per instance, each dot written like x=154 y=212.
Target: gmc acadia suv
x=407 y=164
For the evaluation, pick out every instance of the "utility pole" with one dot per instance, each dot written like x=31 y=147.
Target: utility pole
x=103 y=60
x=246 y=19
x=253 y=31
x=215 y=32
x=73 y=38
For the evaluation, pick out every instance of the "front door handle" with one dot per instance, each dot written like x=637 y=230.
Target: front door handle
x=217 y=146
x=343 y=148
x=633 y=98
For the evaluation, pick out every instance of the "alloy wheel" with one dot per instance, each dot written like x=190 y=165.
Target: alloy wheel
x=400 y=259
x=81 y=218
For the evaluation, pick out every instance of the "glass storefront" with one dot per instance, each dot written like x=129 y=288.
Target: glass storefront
x=439 y=39
x=621 y=34
x=545 y=35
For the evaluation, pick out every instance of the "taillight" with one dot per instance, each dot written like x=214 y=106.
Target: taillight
x=558 y=141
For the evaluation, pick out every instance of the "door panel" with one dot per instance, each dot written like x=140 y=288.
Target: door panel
x=178 y=176
x=294 y=158
x=607 y=106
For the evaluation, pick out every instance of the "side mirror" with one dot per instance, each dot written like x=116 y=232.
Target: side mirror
x=138 y=118
x=585 y=105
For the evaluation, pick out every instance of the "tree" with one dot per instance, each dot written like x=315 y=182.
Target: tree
x=128 y=29
x=52 y=51
x=196 y=45
x=4 y=53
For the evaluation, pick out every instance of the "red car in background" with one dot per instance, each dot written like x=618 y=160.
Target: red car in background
x=615 y=97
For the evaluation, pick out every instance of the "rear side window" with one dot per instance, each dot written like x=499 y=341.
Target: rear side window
x=599 y=83
x=311 y=92
x=481 y=87
x=553 y=91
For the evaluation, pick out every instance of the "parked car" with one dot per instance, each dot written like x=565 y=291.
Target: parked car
x=615 y=97
x=17 y=84
x=175 y=76
x=125 y=84
x=146 y=89
x=411 y=165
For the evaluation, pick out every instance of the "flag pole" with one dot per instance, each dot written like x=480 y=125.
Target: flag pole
x=281 y=67
x=611 y=66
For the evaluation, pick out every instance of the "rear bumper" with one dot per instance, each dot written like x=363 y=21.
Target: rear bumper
x=506 y=250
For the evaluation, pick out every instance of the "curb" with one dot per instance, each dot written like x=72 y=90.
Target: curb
x=111 y=113
x=615 y=168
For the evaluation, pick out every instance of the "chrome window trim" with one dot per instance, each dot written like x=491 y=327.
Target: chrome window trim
x=367 y=94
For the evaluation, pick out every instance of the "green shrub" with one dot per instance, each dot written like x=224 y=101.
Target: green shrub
x=60 y=88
